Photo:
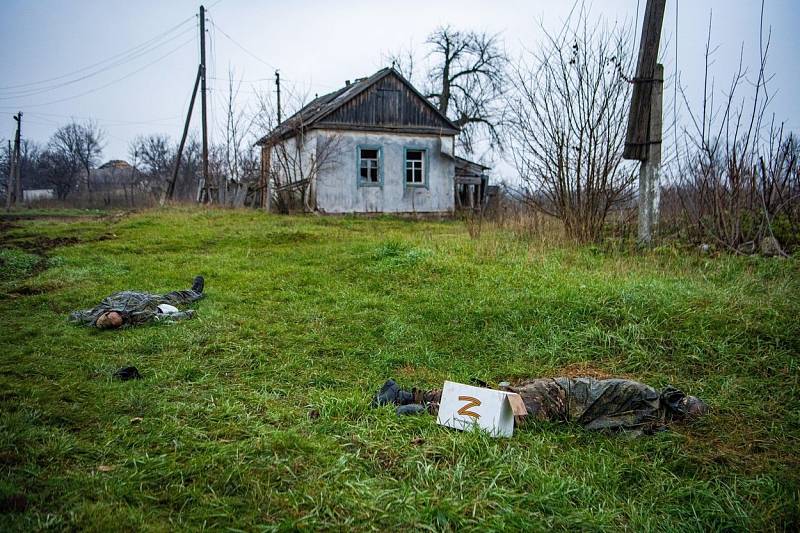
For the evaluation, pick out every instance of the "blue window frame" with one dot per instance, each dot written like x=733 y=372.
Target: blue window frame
x=369 y=165
x=415 y=166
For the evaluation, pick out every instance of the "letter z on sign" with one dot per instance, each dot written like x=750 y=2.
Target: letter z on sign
x=465 y=406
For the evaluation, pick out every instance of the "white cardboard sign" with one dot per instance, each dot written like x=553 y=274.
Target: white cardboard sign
x=464 y=406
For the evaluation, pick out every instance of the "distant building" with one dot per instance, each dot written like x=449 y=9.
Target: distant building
x=111 y=174
x=115 y=164
x=375 y=145
x=29 y=195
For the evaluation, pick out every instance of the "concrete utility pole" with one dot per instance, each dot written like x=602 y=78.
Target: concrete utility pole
x=650 y=168
x=14 y=186
x=643 y=139
x=206 y=184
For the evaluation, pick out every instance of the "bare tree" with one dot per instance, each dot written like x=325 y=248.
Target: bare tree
x=156 y=157
x=566 y=125
x=131 y=180
x=293 y=156
x=30 y=154
x=190 y=171
x=5 y=164
x=465 y=79
x=60 y=171
x=238 y=166
x=297 y=162
x=738 y=174
x=81 y=143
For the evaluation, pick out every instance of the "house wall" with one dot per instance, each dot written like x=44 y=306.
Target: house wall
x=292 y=162
x=337 y=186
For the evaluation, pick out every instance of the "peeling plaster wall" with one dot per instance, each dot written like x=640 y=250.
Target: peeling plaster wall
x=338 y=191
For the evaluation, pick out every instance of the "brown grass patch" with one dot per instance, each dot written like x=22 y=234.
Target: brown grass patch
x=585 y=370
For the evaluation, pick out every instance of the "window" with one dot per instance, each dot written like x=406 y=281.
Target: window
x=369 y=166
x=415 y=167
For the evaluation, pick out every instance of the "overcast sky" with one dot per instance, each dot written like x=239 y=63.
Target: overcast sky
x=316 y=46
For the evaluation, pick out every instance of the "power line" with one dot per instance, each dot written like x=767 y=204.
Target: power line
x=160 y=58
x=245 y=50
x=106 y=121
x=128 y=59
x=127 y=52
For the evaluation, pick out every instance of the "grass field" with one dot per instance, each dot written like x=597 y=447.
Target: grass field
x=255 y=415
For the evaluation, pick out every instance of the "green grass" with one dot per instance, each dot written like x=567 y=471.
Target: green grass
x=60 y=212
x=307 y=316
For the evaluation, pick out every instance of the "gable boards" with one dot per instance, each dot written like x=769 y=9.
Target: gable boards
x=464 y=407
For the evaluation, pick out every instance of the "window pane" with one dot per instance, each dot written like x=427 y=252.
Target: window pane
x=414 y=166
x=369 y=163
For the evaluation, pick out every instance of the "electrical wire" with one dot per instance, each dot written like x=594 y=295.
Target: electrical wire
x=160 y=58
x=245 y=50
x=119 y=56
x=212 y=49
x=109 y=121
x=34 y=92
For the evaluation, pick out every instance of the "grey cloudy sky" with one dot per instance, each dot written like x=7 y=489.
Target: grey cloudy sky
x=316 y=45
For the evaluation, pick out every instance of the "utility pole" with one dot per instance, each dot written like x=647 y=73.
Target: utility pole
x=170 y=190
x=203 y=101
x=644 y=133
x=14 y=186
x=18 y=164
x=650 y=168
x=266 y=157
x=278 y=86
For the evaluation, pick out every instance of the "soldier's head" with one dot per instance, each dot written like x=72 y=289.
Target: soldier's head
x=109 y=320
x=695 y=407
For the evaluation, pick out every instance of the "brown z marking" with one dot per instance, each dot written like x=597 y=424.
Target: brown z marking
x=473 y=402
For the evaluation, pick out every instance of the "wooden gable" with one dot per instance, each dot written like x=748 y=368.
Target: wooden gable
x=389 y=104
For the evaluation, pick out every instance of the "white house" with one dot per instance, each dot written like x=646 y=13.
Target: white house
x=375 y=145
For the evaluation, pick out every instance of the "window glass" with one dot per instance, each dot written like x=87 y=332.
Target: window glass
x=369 y=165
x=415 y=167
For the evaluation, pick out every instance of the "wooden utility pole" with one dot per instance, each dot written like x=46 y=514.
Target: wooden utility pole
x=14 y=186
x=206 y=184
x=278 y=88
x=18 y=164
x=170 y=191
x=266 y=157
x=643 y=138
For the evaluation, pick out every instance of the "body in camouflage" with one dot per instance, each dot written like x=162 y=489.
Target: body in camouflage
x=139 y=307
x=607 y=404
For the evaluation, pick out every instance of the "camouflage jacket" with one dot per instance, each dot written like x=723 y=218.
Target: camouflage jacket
x=137 y=307
x=600 y=404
